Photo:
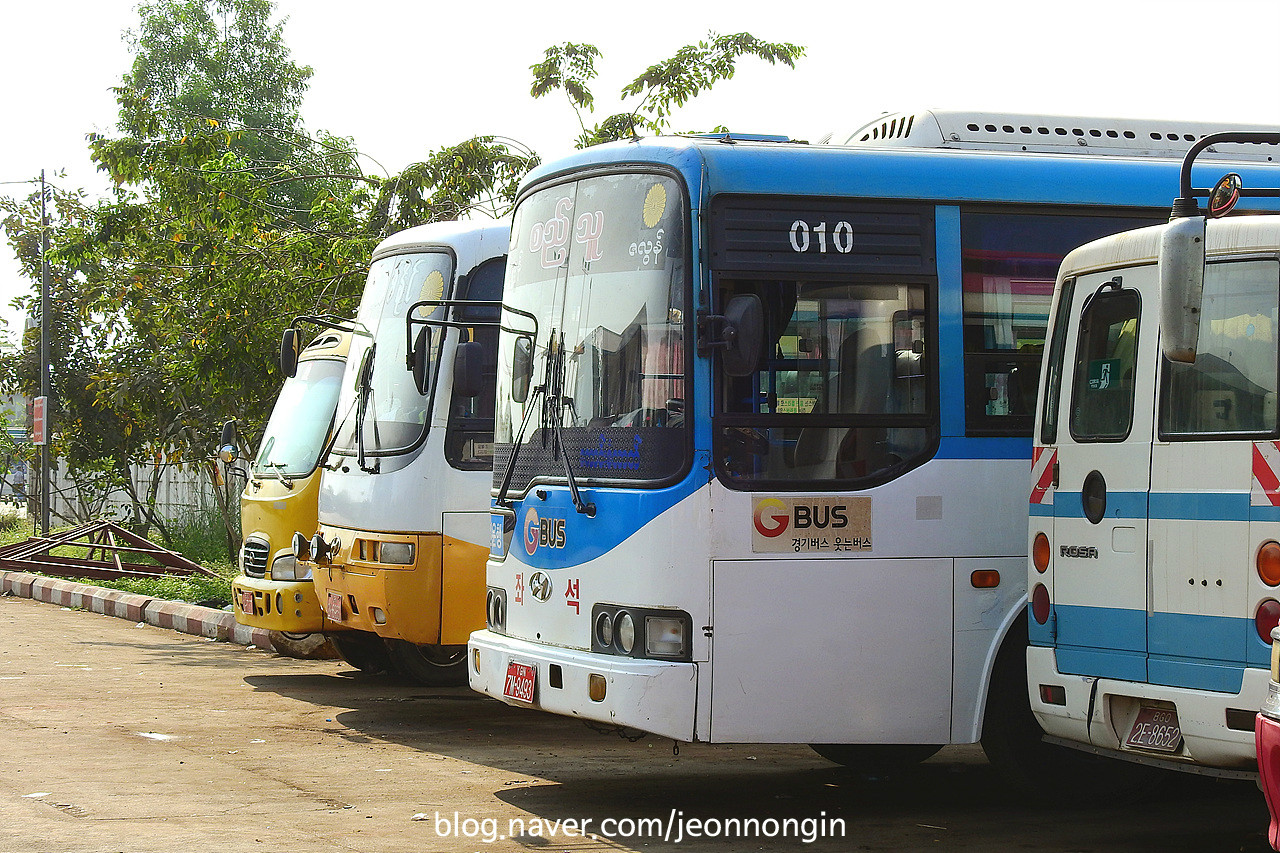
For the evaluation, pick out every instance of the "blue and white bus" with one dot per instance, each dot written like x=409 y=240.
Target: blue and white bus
x=763 y=426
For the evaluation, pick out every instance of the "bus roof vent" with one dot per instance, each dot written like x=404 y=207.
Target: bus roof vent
x=325 y=340
x=978 y=131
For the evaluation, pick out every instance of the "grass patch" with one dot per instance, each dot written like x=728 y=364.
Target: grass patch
x=196 y=589
x=14 y=527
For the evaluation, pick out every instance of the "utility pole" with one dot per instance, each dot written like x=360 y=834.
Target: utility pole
x=45 y=331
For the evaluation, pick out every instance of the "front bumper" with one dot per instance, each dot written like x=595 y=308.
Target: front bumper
x=1100 y=711
x=653 y=696
x=288 y=606
x=397 y=604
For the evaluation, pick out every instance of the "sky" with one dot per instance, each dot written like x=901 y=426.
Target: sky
x=405 y=78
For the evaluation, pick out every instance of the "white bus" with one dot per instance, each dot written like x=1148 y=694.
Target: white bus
x=399 y=556
x=1155 y=501
x=757 y=472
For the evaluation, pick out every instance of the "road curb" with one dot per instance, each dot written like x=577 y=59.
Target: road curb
x=175 y=615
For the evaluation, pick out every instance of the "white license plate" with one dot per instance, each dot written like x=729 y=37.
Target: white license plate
x=522 y=679
x=246 y=601
x=333 y=607
x=1156 y=729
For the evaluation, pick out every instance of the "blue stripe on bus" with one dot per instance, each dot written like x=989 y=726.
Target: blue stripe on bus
x=1041 y=510
x=1114 y=628
x=950 y=324
x=1194 y=652
x=1200 y=506
x=619 y=514
x=1102 y=663
x=1067 y=504
x=957 y=447
x=1165 y=506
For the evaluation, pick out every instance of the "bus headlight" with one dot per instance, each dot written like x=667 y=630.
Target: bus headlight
x=604 y=628
x=286 y=568
x=495 y=606
x=396 y=553
x=641 y=632
x=626 y=632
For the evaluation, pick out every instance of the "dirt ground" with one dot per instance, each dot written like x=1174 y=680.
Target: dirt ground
x=125 y=738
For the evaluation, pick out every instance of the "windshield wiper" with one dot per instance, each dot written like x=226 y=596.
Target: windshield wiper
x=364 y=387
x=554 y=402
x=552 y=405
x=515 y=450
x=285 y=479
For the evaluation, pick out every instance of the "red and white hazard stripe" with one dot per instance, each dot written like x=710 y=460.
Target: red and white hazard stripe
x=1042 y=459
x=1265 y=490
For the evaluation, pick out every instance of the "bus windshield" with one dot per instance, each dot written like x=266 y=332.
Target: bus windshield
x=300 y=421
x=383 y=413
x=600 y=263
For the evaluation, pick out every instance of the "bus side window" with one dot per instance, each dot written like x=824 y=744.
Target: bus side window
x=1102 y=405
x=1231 y=386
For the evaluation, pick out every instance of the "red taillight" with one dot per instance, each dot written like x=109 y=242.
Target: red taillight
x=1040 y=552
x=1040 y=603
x=1053 y=694
x=1269 y=563
x=1267 y=617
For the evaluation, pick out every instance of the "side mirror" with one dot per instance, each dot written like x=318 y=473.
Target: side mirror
x=742 y=335
x=419 y=360
x=1181 y=287
x=289 y=352
x=521 y=368
x=468 y=370
x=227 y=450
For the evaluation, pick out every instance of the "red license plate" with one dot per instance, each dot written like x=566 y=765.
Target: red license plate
x=522 y=678
x=1157 y=729
x=246 y=601
x=333 y=607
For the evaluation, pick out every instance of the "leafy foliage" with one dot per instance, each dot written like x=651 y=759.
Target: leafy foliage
x=227 y=221
x=661 y=89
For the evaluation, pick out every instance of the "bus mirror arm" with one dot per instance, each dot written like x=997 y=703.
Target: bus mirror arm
x=738 y=333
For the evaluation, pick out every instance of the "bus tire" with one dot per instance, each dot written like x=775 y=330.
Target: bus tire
x=433 y=666
x=875 y=758
x=366 y=652
x=302 y=646
x=1014 y=743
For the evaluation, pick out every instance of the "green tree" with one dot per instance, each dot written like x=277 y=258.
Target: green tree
x=660 y=89
x=224 y=60
x=172 y=293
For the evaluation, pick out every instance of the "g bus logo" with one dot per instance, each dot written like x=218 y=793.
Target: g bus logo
x=772 y=517
x=542 y=532
x=810 y=524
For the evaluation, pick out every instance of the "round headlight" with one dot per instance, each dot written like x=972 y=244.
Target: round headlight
x=301 y=547
x=626 y=632
x=604 y=630
x=319 y=550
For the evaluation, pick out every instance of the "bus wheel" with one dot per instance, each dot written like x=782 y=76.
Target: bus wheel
x=304 y=646
x=1013 y=742
x=434 y=666
x=875 y=758
x=366 y=652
